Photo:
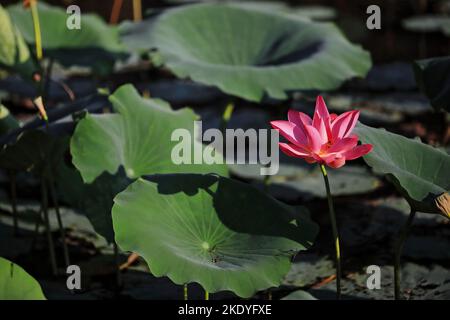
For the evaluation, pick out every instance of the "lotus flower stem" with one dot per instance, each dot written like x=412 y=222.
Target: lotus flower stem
x=398 y=252
x=37 y=29
x=60 y=223
x=185 y=291
x=12 y=179
x=115 y=11
x=137 y=10
x=335 y=232
x=117 y=262
x=206 y=295
x=51 y=246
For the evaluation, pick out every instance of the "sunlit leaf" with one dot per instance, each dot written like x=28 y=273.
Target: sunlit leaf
x=221 y=233
x=14 y=53
x=250 y=53
x=137 y=137
x=94 y=44
x=420 y=172
x=17 y=284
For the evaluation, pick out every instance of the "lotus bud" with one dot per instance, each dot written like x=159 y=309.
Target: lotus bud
x=443 y=204
x=40 y=105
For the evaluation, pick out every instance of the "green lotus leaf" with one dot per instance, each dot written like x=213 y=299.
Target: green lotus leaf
x=17 y=284
x=138 y=138
x=95 y=44
x=221 y=233
x=249 y=53
x=420 y=172
x=135 y=35
x=312 y=12
x=433 y=78
x=14 y=53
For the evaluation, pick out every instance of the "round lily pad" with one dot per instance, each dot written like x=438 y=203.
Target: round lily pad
x=17 y=284
x=250 y=53
x=218 y=232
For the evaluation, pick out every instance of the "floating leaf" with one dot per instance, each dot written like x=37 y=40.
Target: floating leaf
x=420 y=172
x=249 y=53
x=94 y=44
x=433 y=78
x=17 y=284
x=138 y=138
x=221 y=233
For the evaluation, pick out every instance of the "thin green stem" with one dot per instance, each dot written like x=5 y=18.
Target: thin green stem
x=12 y=176
x=185 y=291
x=335 y=232
x=226 y=116
x=398 y=252
x=206 y=295
x=58 y=216
x=37 y=29
x=51 y=246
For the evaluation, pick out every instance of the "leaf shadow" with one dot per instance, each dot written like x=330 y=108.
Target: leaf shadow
x=243 y=208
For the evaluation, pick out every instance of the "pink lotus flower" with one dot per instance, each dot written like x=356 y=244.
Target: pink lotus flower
x=326 y=139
